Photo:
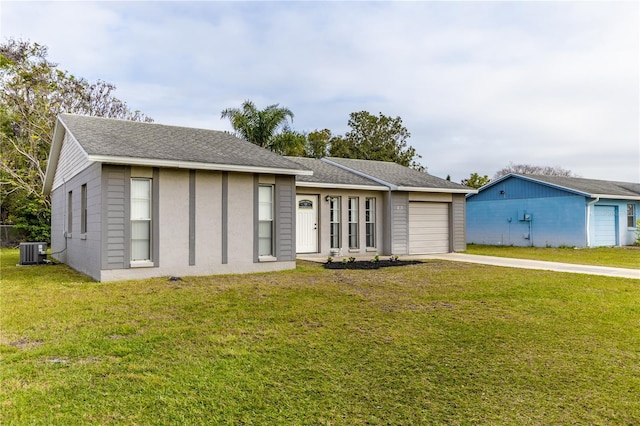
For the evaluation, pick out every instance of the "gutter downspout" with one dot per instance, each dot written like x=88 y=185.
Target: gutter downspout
x=589 y=205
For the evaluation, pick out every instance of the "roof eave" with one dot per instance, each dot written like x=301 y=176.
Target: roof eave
x=149 y=162
x=616 y=197
x=54 y=156
x=340 y=186
x=442 y=190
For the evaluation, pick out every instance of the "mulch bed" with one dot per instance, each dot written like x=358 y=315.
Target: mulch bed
x=369 y=264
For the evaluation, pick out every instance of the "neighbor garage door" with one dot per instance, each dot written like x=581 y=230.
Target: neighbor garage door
x=428 y=227
x=605 y=226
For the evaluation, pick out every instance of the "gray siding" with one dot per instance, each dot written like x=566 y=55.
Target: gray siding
x=399 y=223
x=58 y=224
x=115 y=196
x=285 y=227
x=72 y=161
x=81 y=250
x=192 y=217
x=458 y=226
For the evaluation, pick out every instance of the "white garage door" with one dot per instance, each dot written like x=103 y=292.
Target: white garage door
x=428 y=227
x=605 y=226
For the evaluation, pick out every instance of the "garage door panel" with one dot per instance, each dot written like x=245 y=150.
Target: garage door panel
x=605 y=226
x=428 y=227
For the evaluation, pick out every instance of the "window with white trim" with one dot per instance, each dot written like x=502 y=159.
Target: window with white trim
x=631 y=215
x=70 y=212
x=83 y=209
x=370 y=221
x=353 y=222
x=265 y=220
x=140 y=219
x=334 y=222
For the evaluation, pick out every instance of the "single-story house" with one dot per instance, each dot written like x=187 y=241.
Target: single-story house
x=134 y=200
x=554 y=211
x=353 y=207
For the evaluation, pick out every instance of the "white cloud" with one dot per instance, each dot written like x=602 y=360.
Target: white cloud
x=478 y=84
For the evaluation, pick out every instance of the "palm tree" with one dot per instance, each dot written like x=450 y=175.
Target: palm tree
x=258 y=126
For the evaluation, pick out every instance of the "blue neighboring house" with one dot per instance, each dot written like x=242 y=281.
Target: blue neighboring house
x=553 y=211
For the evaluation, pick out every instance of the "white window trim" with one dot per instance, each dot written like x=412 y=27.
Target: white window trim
x=271 y=256
x=353 y=219
x=141 y=264
x=372 y=212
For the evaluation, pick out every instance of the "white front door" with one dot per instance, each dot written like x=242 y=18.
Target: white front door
x=307 y=224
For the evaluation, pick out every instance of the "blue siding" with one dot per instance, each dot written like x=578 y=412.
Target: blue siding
x=516 y=188
x=555 y=221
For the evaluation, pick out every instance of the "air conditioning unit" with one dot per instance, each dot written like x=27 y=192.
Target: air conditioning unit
x=33 y=253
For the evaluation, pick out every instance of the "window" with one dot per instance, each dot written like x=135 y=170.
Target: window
x=353 y=222
x=265 y=220
x=70 y=212
x=370 y=221
x=140 y=219
x=83 y=209
x=334 y=222
x=631 y=215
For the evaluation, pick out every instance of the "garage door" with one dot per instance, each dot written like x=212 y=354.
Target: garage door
x=605 y=226
x=428 y=227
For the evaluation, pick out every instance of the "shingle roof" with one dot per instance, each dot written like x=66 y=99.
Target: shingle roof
x=591 y=187
x=327 y=174
x=103 y=137
x=400 y=176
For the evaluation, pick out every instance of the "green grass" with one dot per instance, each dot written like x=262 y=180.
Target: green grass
x=620 y=257
x=435 y=343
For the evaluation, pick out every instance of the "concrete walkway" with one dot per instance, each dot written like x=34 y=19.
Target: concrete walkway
x=534 y=264
x=507 y=262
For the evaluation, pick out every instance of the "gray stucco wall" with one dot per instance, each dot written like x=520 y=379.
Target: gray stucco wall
x=189 y=213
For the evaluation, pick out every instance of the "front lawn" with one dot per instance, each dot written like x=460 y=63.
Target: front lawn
x=432 y=343
x=620 y=257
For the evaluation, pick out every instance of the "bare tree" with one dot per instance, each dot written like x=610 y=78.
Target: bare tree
x=528 y=169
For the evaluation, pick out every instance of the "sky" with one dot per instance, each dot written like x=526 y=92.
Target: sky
x=479 y=85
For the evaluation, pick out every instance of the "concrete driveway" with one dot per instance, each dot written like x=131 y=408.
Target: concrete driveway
x=533 y=264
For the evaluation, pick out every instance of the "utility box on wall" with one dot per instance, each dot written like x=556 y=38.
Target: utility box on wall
x=33 y=253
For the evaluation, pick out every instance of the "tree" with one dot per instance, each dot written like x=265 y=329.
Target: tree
x=318 y=143
x=476 y=181
x=533 y=170
x=376 y=138
x=289 y=142
x=259 y=127
x=34 y=91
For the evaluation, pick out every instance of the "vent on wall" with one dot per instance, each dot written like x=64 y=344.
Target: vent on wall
x=33 y=253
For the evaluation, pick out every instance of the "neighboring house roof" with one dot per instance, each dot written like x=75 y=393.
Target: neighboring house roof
x=592 y=188
x=326 y=175
x=397 y=177
x=131 y=142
